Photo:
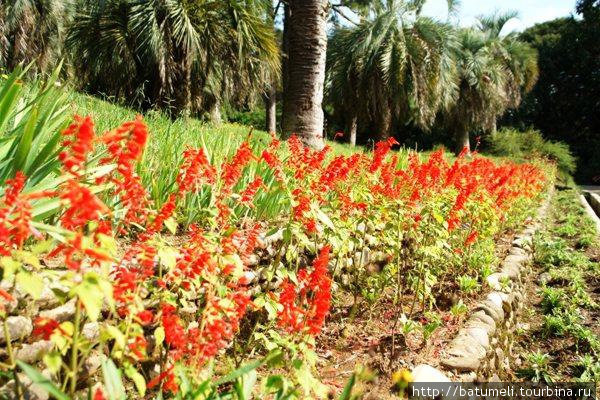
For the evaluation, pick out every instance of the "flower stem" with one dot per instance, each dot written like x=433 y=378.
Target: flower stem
x=12 y=362
x=75 y=348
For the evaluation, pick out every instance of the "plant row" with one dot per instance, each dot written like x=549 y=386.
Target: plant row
x=179 y=308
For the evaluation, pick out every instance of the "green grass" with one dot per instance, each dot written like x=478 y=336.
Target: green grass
x=169 y=138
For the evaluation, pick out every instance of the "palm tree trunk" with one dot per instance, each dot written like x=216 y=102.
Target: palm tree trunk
x=384 y=124
x=215 y=112
x=306 y=41
x=182 y=86
x=271 y=109
x=462 y=140
x=353 y=128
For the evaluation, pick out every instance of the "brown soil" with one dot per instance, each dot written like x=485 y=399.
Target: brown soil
x=372 y=340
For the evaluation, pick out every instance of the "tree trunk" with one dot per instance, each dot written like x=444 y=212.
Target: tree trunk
x=271 y=109
x=306 y=42
x=215 y=112
x=182 y=84
x=384 y=124
x=462 y=140
x=352 y=130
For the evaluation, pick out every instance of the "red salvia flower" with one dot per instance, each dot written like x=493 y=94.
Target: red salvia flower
x=471 y=238
x=99 y=394
x=45 y=327
x=249 y=192
x=79 y=141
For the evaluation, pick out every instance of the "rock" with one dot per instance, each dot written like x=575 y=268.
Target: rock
x=491 y=309
x=33 y=352
x=62 y=313
x=19 y=327
x=517 y=251
x=271 y=239
x=523 y=326
x=465 y=353
x=496 y=279
x=523 y=242
x=48 y=298
x=190 y=309
x=250 y=276
x=252 y=260
x=511 y=269
x=425 y=373
x=461 y=363
x=31 y=391
x=362 y=258
x=496 y=298
x=91 y=331
x=480 y=318
x=480 y=334
x=94 y=362
x=508 y=299
x=499 y=358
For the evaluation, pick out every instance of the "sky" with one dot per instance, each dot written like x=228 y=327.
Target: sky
x=530 y=11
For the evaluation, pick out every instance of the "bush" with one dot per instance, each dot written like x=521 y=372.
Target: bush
x=525 y=145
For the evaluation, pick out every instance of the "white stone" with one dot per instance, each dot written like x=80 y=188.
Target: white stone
x=426 y=373
x=33 y=352
x=19 y=327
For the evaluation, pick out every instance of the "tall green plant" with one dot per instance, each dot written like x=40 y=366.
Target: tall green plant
x=31 y=118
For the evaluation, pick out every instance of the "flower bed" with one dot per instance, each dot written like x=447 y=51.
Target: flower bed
x=107 y=290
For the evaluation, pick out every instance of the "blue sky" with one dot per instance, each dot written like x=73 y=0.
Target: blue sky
x=530 y=11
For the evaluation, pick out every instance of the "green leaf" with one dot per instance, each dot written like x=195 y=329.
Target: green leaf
x=324 y=219
x=159 y=335
x=53 y=361
x=42 y=381
x=168 y=257
x=171 y=225
x=91 y=295
x=31 y=283
x=112 y=381
x=248 y=382
x=244 y=369
x=116 y=334
x=10 y=266
x=24 y=147
x=137 y=378
x=348 y=388
x=8 y=98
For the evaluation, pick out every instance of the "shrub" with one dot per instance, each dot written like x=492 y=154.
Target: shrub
x=525 y=145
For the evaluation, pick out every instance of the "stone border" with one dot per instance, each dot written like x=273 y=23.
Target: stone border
x=482 y=349
x=591 y=204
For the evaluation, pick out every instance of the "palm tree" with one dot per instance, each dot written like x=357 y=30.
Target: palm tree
x=305 y=48
x=30 y=32
x=494 y=72
x=395 y=66
x=184 y=56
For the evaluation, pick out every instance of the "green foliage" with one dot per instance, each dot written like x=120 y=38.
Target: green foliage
x=493 y=73
x=539 y=369
x=561 y=105
x=30 y=33
x=528 y=144
x=184 y=57
x=391 y=67
x=566 y=299
x=31 y=118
